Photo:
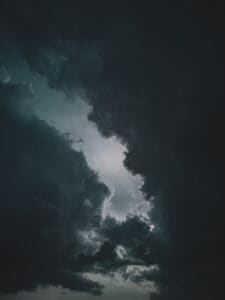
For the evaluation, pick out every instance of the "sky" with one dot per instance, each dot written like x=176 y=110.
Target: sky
x=111 y=150
x=104 y=155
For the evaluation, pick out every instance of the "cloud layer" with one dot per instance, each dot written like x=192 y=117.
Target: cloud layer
x=154 y=75
x=44 y=186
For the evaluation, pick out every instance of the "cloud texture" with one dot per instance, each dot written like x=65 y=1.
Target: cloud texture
x=154 y=75
x=44 y=185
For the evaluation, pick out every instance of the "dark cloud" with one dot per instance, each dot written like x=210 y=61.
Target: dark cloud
x=154 y=75
x=132 y=234
x=43 y=188
x=171 y=115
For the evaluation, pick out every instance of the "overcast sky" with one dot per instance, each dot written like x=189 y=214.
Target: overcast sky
x=111 y=150
x=105 y=155
x=69 y=115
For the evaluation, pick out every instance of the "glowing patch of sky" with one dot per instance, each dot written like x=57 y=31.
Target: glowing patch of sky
x=103 y=155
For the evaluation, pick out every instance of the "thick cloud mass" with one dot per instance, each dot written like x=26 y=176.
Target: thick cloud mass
x=43 y=188
x=170 y=112
x=154 y=75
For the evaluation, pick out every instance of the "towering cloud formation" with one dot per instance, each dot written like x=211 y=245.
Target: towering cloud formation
x=155 y=77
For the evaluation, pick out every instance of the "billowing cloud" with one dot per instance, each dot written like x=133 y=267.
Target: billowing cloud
x=44 y=189
x=155 y=78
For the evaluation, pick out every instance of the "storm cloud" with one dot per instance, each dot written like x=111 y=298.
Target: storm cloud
x=154 y=76
x=44 y=186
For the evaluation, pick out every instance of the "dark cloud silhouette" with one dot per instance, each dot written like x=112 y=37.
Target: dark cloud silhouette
x=43 y=187
x=172 y=123
x=154 y=75
x=171 y=118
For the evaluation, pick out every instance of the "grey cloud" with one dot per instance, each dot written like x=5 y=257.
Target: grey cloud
x=159 y=86
x=43 y=187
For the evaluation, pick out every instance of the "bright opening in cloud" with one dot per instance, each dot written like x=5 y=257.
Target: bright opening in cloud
x=110 y=159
